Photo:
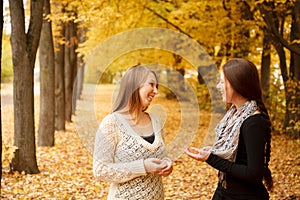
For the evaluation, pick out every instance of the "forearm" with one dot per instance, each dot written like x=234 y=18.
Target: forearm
x=219 y=163
x=118 y=172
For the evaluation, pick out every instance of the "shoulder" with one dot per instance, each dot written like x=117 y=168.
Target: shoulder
x=255 y=123
x=255 y=119
x=108 y=122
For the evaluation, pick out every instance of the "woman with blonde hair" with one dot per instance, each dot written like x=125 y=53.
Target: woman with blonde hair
x=130 y=152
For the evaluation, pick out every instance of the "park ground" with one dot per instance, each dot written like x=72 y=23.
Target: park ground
x=66 y=168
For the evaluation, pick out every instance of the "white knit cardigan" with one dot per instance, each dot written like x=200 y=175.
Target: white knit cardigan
x=118 y=158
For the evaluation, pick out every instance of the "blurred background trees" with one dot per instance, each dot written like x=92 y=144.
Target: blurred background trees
x=266 y=32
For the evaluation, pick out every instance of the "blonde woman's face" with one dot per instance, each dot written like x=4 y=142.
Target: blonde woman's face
x=148 y=90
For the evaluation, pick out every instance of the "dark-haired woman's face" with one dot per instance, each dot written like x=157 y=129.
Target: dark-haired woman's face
x=225 y=88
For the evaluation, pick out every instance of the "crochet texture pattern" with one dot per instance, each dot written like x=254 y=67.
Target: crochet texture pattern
x=118 y=158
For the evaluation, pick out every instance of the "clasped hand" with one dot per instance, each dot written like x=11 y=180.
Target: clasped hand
x=198 y=154
x=162 y=167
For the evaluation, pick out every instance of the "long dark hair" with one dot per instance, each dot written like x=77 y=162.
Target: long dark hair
x=243 y=77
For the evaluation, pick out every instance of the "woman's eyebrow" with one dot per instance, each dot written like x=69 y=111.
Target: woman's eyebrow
x=152 y=81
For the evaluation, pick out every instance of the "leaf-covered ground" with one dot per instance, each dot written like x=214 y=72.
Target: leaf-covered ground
x=66 y=169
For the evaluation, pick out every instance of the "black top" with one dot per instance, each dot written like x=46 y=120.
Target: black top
x=244 y=176
x=149 y=138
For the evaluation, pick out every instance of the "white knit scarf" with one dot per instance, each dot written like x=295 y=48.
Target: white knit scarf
x=228 y=131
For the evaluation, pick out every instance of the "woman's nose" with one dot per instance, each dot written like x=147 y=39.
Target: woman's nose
x=155 y=90
x=219 y=85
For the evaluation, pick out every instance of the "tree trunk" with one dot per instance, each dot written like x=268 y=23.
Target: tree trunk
x=24 y=48
x=1 y=30
x=80 y=77
x=271 y=19
x=74 y=96
x=293 y=92
x=265 y=65
x=291 y=79
x=47 y=84
x=80 y=63
x=73 y=57
x=60 y=82
x=68 y=73
x=295 y=68
x=244 y=34
x=291 y=123
x=288 y=88
x=295 y=35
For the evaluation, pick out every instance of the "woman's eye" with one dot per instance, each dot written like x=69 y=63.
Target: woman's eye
x=153 y=85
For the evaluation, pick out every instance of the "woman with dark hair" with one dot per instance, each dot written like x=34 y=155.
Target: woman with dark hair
x=241 y=151
x=129 y=150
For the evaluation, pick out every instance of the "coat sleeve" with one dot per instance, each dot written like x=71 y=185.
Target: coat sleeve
x=104 y=166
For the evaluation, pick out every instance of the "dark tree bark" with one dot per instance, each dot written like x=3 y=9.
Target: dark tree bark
x=24 y=48
x=60 y=81
x=47 y=78
x=80 y=76
x=70 y=68
x=295 y=35
x=68 y=73
x=293 y=86
x=238 y=43
x=1 y=30
x=73 y=57
x=244 y=33
x=80 y=64
x=265 y=65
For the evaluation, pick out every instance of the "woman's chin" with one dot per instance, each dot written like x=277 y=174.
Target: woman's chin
x=145 y=108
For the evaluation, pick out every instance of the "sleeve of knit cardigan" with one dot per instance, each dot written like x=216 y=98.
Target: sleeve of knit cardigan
x=104 y=167
x=253 y=129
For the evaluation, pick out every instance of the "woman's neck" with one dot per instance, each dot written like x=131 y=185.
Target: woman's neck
x=134 y=117
x=239 y=101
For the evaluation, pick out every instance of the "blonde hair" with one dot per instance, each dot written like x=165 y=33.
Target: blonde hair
x=128 y=94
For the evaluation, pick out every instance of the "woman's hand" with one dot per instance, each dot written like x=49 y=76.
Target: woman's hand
x=198 y=154
x=167 y=170
x=154 y=165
